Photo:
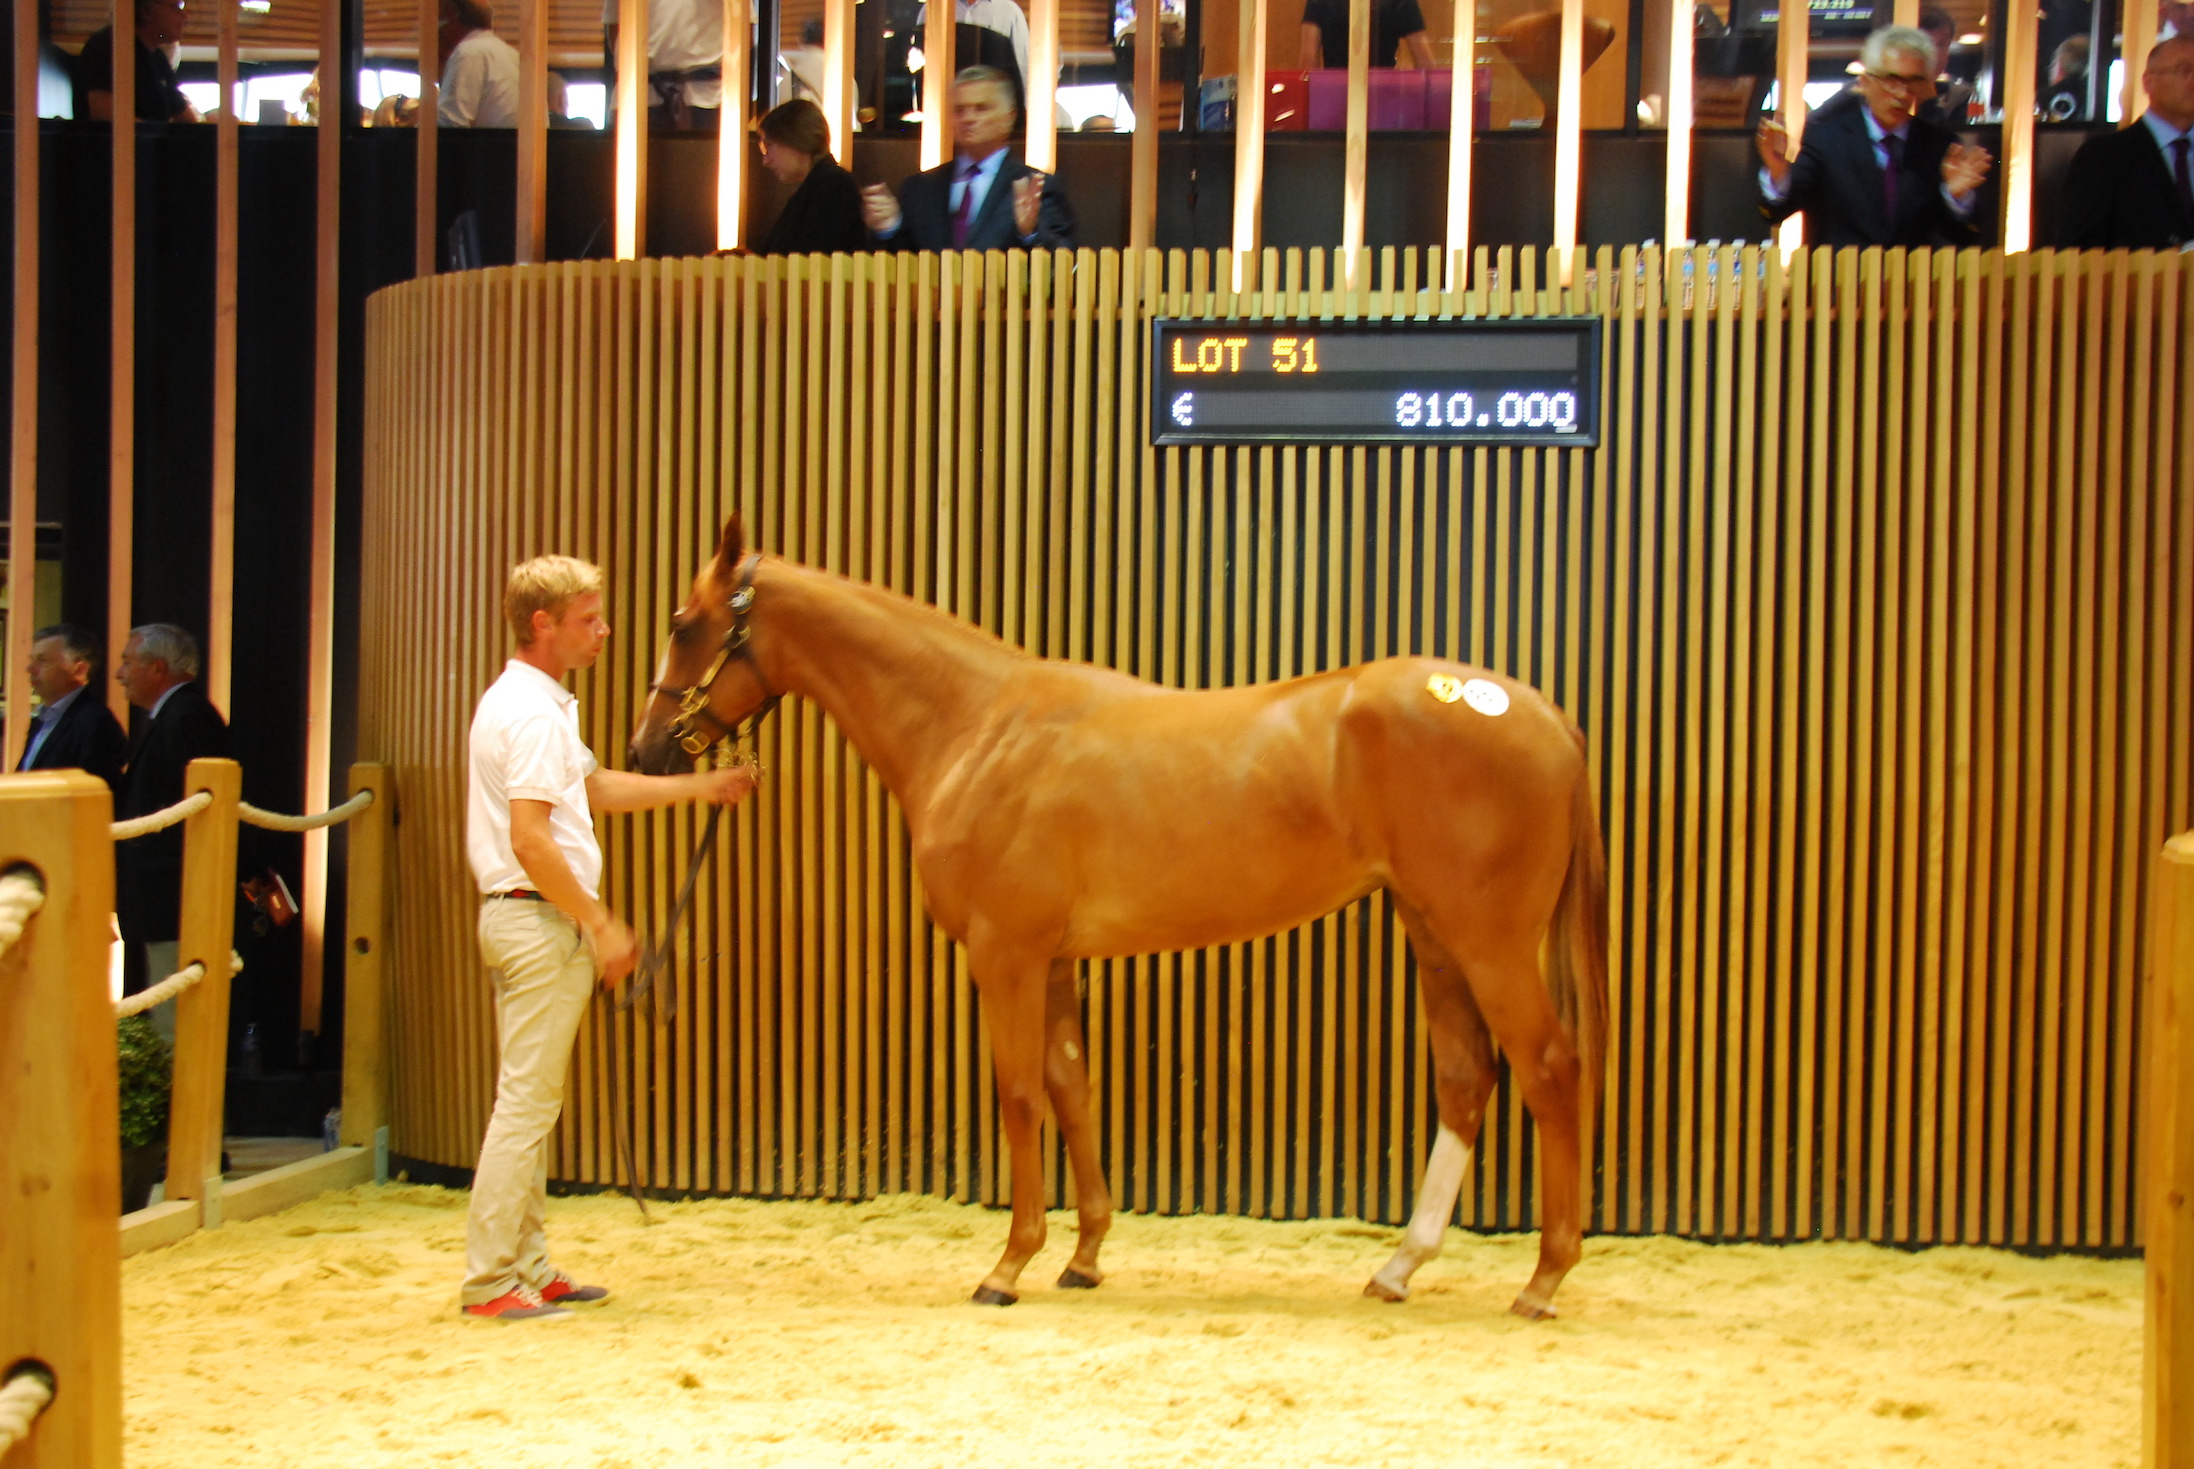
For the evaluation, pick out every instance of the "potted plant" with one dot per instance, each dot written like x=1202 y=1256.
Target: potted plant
x=145 y=1064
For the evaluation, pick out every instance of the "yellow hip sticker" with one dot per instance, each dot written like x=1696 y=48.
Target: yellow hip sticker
x=1445 y=687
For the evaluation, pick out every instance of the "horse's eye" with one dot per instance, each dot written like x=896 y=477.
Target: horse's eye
x=680 y=633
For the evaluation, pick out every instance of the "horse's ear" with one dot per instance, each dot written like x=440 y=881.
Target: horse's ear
x=733 y=545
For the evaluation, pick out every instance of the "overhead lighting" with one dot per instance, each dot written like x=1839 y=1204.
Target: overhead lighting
x=256 y=7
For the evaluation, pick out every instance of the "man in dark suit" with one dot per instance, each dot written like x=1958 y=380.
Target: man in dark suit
x=157 y=670
x=984 y=199
x=1877 y=173
x=73 y=730
x=2134 y=189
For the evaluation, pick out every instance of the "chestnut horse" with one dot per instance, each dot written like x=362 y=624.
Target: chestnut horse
x=1060 y=812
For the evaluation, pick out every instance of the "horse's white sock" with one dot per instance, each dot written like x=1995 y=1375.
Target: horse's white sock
x=1445 y=1171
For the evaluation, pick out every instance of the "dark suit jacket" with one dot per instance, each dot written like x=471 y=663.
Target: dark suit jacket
x=148 y=870
x=87 y=738
x=925 y=207
x=2120 y=195
x=1836 y=181
x=823 y=215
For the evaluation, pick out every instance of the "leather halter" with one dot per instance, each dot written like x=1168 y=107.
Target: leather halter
x=693 y=700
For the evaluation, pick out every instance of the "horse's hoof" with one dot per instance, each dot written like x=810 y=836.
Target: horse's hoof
x=1532 y=1310
x=985 y=1296
x=1073 y=1279
x=1378 y=1290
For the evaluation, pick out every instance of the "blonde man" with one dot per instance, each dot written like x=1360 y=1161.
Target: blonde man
x=529 y=832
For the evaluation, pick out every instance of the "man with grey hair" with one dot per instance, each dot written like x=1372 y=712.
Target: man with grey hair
x=983 y=198
x=1877 y=173
x=158 y=671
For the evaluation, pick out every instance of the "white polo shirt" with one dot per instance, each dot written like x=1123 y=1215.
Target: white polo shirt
x=525 y=745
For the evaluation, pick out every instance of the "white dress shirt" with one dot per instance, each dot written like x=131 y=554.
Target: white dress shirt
x=479 y=84
x=682 y=35
x=525 y=745
x=1002 y=16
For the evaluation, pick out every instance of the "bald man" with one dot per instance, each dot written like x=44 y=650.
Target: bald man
x=2134 y=189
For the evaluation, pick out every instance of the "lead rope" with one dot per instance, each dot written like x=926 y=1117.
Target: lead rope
x=655 y=959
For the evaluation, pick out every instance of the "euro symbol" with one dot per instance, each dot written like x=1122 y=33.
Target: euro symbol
x=1184 y=410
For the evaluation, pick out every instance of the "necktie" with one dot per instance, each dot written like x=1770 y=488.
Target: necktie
x=1894 y=146
x=2181 y=177
x=30 y=738
x=965 y=214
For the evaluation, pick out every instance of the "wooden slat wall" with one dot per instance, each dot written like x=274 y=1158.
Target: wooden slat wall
x=1877 y=602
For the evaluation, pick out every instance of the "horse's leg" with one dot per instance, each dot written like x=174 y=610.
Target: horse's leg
x=1504 y=977
x=1464 y=1070
x=1066 y=1080
x=1012 y=988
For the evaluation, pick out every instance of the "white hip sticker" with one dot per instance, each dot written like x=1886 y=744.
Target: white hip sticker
x=1485 y=696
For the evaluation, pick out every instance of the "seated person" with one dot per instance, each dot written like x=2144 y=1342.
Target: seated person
x=159 y=99
x=1396 y=26
x=982 y=199
x=824 y=212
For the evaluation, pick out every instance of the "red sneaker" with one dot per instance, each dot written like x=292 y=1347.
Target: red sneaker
x=562 y=1288
x=519 y=1303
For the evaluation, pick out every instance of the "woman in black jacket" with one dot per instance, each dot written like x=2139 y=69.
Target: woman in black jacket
x=824 y=212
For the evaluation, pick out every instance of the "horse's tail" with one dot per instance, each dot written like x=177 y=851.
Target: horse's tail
x=1577 y=952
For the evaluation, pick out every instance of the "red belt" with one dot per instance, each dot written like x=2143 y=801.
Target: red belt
x=527 y=893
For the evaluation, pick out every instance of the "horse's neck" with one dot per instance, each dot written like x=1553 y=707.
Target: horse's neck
x=907 y=684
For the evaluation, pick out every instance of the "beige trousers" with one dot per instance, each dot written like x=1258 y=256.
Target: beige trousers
x=544 y=976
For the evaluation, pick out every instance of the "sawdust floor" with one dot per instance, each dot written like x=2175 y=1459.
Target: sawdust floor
x=807 y=1333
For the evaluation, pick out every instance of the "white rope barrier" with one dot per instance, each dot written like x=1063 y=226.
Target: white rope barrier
x=138 y=826
x=167 y=989
x=22 y=893
x=275 y=821
x=21 y=1401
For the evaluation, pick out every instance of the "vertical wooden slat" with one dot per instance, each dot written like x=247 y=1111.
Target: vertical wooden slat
x=1249 y=131
x=122 y=355
x=1042 y=151
x=1357 y=148
x=732 y=119
x=2016 y=167
x=426 y=223
x=938 y=53
x=1569 y=138
x=1676 y=196
x=532 y=131
x=630 y=201
x=221 y=563
x=1142 y=206
x=841 y=94
x=320 y=656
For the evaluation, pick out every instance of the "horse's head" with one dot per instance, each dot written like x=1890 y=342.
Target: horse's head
x=707 y=680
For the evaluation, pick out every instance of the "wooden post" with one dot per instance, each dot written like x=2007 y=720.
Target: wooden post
x=1569 y=139
x=221 y=568
x=1142 y=192
x=631 y=62
x=1042 y=83
x=426 y=195
x=1249 y=132
x=1793 y=42
x=365 y=1055
x=320 y=645
x=533 y=44
x=840 y=97
x=60 y=1156
x=1676 y=202
x=121 y=353
x=2016 y=167
x=1356 y=150
x=731 y=123
x=23 y=455
x=1462 y=120
x=2167 y=1172
x=202 y=1011
x=938 y=65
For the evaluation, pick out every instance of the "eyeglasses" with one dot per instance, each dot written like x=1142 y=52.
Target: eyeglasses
x=1922 y=85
